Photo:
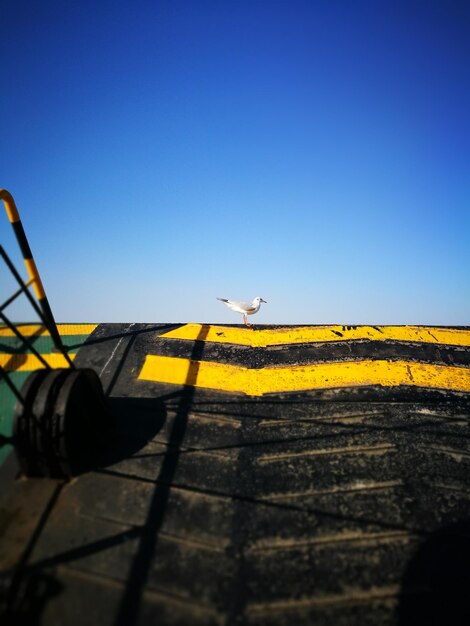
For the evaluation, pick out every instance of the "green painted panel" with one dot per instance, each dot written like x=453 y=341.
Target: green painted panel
x=44 y=345
x=7 y=405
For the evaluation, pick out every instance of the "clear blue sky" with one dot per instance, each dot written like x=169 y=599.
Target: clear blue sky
x=315 y=153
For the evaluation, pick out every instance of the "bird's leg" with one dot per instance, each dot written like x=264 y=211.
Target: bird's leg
x=247 y=323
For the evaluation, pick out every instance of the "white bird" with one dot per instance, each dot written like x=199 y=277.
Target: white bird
x=245 y=308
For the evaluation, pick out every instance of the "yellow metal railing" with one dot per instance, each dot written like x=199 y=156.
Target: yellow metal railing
x=34 y=278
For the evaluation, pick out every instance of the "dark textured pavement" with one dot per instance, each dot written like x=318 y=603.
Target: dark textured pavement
x=336 y=507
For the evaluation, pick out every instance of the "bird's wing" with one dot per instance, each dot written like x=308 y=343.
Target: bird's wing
x=246 y=306
x=242 y=307
x=239 y=307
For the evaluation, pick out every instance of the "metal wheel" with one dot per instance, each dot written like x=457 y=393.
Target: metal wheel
x=62 y=428
x=24 y=428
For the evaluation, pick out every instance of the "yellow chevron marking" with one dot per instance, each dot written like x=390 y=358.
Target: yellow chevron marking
x=35 y=329
x=29 y=362
x=256 y=382
x=314 y=334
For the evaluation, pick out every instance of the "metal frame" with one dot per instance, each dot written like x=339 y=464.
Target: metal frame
x=41 y=306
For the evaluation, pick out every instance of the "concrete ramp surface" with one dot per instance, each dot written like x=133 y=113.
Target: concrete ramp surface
x=276 y=476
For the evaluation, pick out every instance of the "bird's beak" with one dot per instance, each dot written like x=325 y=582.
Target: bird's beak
x=263 y=301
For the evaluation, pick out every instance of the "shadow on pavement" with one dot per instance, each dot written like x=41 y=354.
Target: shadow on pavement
x=436 y=585
x=132 y=597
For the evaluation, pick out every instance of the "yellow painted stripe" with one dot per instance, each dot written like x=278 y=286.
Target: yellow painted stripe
x=34 y=329
x=29 y=362
x=34 y=276
x=10 y=206
x=256 y=382
x=320 y=334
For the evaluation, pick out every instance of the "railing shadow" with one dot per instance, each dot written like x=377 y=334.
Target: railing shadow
x=35 y=590
x=139 y=571
x=18 y=354
x=25 y=591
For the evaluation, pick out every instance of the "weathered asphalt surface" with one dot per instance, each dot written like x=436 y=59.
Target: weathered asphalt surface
x=328 y=507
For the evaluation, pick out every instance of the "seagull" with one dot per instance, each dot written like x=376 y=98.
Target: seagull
x=245 y=308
